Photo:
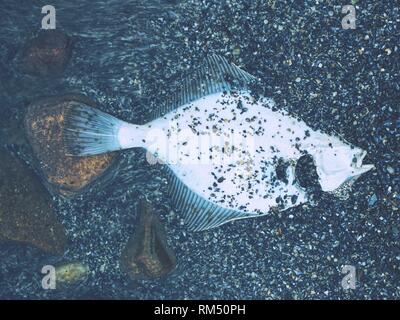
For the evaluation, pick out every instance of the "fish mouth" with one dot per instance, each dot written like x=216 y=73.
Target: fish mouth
x=344 y=190
x=358 y=167
x=339 y=165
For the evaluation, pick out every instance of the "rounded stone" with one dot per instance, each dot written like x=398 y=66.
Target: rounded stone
x=64 y=174
x=47 y=54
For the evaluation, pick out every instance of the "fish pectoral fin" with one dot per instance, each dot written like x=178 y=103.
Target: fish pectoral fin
x=199 y=213
x=214 y=75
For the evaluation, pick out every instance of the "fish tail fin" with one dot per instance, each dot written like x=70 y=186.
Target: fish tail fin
x=88 y=131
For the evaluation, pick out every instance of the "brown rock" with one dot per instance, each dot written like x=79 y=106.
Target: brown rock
x=47 y=54
x=66 y=175
x=26 y=213
x=147 y=255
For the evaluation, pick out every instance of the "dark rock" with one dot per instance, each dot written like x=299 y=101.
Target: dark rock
x=64 y=174
x=26 y=213
x=147 y=255
x=47 y=54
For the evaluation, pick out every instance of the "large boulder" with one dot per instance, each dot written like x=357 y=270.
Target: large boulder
x=26 y=213
x=65 y=175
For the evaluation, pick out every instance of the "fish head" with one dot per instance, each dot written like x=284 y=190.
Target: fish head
x=338 y=165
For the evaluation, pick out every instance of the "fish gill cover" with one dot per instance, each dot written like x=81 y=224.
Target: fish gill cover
x=129 y=58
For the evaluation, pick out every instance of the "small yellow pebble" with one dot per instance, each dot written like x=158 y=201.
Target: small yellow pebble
x=388 y=51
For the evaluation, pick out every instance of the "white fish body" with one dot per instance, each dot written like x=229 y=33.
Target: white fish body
x=223 y=150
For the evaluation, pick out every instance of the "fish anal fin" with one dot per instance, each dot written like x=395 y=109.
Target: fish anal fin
x=199 y=213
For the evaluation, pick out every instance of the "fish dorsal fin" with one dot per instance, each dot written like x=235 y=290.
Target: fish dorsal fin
x=199 y=213
x=214 y=75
